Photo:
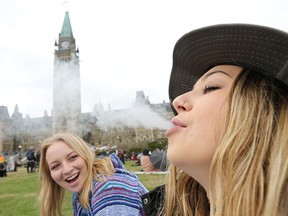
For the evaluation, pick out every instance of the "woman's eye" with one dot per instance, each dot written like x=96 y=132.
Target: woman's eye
x=208 y=89
x=73 y=157
x=54 y=167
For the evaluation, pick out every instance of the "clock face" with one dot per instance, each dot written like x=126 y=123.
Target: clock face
x=65 y=44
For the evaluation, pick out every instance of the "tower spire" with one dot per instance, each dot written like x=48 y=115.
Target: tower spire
x=66 y=27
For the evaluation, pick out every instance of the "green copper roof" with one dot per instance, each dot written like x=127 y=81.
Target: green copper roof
x=66 y=27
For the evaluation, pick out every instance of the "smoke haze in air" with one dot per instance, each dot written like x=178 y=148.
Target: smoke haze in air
x=135 y=117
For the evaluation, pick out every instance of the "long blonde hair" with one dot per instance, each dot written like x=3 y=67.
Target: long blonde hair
x=249 y=170
x=51 y=195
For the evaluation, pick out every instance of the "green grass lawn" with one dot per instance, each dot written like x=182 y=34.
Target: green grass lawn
x=19 y=191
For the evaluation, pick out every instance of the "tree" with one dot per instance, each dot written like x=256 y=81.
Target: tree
x=160 y=144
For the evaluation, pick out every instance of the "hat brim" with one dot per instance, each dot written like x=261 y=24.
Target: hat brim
x=258 y=48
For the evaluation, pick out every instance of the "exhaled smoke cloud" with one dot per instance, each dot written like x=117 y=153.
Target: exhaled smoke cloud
x=134 y=117
x=67 y=97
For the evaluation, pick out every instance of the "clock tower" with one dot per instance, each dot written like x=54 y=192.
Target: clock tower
x=66 y=114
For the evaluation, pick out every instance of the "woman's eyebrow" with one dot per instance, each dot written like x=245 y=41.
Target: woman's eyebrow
x=72 y=152
x=214 y=72
x=52 y=162
x=205 y=76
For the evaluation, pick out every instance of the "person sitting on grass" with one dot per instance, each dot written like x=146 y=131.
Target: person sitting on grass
x=146 y=162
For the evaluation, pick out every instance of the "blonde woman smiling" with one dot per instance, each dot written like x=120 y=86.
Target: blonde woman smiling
x=99 y=186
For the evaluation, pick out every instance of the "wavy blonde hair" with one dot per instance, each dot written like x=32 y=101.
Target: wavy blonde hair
x=51 y=194
x=249 y=170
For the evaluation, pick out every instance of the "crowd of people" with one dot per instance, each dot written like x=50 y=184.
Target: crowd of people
x=29 y=159
x=8 y=163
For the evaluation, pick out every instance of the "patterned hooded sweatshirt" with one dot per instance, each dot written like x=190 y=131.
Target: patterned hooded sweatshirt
x=119 y=195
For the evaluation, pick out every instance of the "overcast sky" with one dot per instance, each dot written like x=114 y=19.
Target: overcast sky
x=125 y=45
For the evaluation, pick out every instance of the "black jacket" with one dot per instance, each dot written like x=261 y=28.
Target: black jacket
x=153 y=200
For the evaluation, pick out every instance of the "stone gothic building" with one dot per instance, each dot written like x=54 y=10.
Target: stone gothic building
x=18 y=133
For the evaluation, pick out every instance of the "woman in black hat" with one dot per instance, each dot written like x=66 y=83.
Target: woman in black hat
x=228 y=146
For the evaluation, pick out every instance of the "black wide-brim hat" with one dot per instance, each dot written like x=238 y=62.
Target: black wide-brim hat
x=258 y=48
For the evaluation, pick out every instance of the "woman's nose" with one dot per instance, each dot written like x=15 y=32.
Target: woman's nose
x=67 y=168
x=180 y=104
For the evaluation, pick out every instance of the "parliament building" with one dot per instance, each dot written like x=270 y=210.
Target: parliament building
x=18 y=133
